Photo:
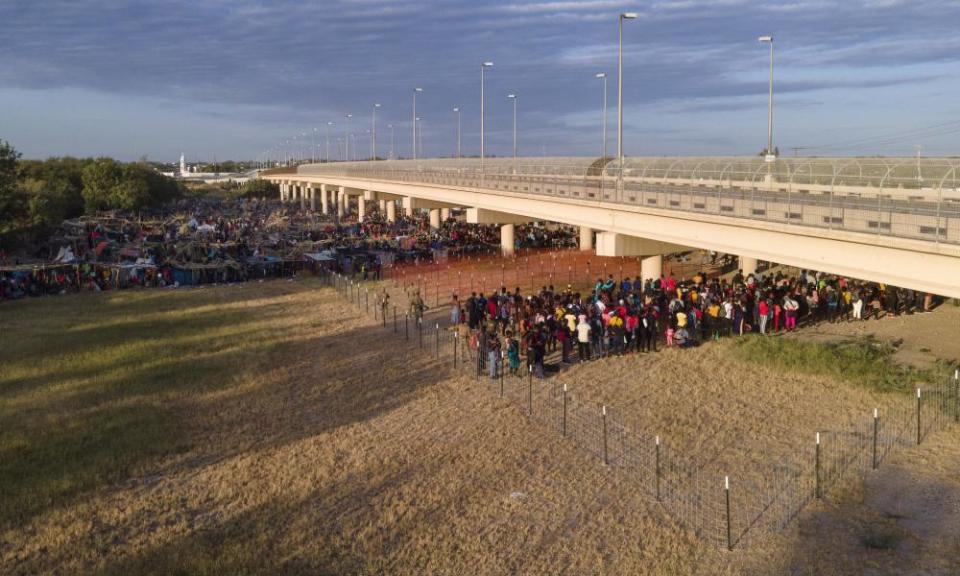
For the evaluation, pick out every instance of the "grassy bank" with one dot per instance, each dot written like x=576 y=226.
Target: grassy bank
x=863 y=362
x=91 y=386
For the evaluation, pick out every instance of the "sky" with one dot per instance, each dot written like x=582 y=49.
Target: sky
x=234 y=79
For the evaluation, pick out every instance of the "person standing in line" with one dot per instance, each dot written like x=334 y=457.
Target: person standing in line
x=583 y=339
x=650 y=326
x=513 y=353
x=790 y=306
x=454 y=311
x=763 y=308
x=493 y=356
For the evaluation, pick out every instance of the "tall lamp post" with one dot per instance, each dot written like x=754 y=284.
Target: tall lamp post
x=770 y=156
x=415 y=90
x=390 y=126
x=457 y=110
x=623 y=16
x=603 y=75
x=514 y=98
x=419 y=125
x=373 y=138
x=329 y=124
x=483 y=66
x=346 y=137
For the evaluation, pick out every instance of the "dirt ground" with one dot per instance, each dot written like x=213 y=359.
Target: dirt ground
x=320 y=463
x=344 y=450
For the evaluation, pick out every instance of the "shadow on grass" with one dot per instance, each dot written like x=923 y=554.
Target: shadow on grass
x=67 y=441
x=307 y=535
x=43 y=468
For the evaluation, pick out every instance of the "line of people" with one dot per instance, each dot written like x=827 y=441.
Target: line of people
x=632 y=316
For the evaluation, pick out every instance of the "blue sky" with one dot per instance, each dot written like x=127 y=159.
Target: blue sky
x=231 y=78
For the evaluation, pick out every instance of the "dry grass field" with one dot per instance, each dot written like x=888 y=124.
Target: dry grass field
x=272 y=429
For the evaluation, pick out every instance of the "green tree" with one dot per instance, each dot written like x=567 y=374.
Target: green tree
x=100 y=178
x=257 y=188
x=54 y=189
x=13 y=201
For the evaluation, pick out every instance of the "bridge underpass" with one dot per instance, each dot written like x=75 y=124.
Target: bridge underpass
x=903 y=236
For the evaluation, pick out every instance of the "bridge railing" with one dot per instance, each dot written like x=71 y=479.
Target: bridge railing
x=791 y=194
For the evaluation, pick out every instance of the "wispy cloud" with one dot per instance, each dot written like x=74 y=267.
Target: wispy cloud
x=299 y=63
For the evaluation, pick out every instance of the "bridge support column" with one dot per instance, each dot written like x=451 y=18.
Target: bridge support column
x=341 y=202
x=651 y=267
x=383 y=207
x=435 y=219
x=391 y=211
x=361 y=208
x=444 y=214
x=506 y=239
x=313 y=198
x=303 y=197
x=586 y=238
x=748 y=265
x=408 y=207
x=283 y=193
x=323 y=198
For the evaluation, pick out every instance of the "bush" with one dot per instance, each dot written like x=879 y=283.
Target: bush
x=865 y=362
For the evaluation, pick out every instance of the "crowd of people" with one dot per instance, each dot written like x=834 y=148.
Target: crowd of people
x=200 y=241
x=630 y=316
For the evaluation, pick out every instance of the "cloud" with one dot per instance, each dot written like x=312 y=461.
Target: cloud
x=283 y=63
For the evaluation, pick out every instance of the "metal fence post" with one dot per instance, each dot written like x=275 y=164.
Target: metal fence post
x=726 y=488
x=956 y=399
x=437 y=339
x=658 y=467
x=502 y=356
x=564 y=424
x=876 y=428
x=817 y=490
x=455 y=340
x=479 y=363
x=530 y=392
x=603 y=417
x=918 y=416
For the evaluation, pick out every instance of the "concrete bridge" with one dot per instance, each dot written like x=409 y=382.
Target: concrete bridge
x=895 y=221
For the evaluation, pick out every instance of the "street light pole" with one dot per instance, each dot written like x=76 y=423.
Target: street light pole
x=603 y=75
x=390 y=126
x=457 y=110
x=514 y=98
x=770 y=156
x=415 y=90
x=346 y=137
x=373 y=139
x=483 y=65
x=329 y=124
x=419 y=125
x=623 y=16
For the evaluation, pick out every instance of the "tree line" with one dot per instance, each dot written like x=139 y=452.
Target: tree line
x=36 y=195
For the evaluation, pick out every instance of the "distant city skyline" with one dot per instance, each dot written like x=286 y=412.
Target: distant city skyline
x=229 y=80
